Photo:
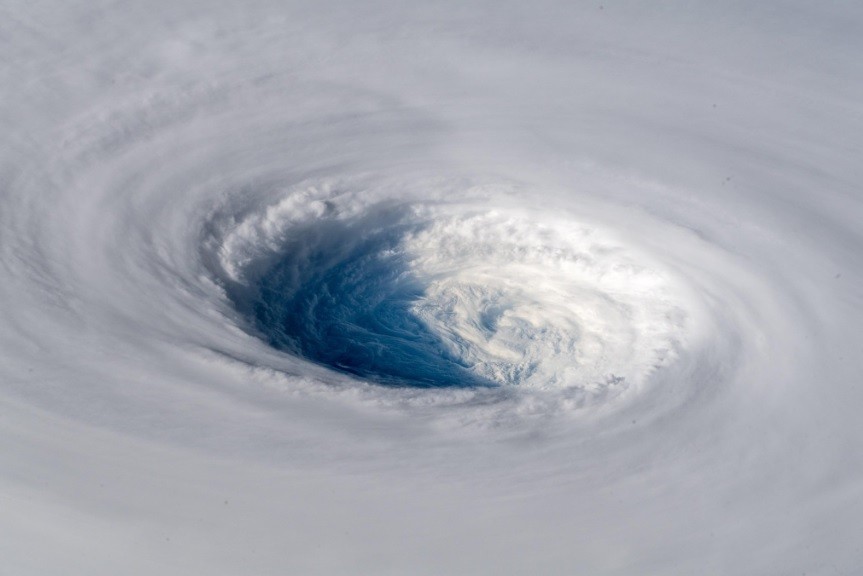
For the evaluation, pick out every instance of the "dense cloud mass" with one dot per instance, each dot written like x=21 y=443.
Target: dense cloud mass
x=431 y=288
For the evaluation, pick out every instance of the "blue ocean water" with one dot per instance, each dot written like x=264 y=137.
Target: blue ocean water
x=342 y=295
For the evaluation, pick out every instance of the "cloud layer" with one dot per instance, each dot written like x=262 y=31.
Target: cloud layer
x=484 y=288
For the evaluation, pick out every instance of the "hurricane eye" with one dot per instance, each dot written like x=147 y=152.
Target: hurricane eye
x=453 y=294
x=345 y=297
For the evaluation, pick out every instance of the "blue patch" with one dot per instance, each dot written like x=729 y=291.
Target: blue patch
x=342 y=295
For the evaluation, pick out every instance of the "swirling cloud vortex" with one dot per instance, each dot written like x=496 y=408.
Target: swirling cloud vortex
x=436 y=289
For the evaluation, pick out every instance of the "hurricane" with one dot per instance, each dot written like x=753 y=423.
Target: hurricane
x=449 y=288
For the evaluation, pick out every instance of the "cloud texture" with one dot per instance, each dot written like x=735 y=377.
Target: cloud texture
x=381 y=288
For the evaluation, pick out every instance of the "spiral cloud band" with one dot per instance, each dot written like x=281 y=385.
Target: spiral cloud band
x=450 y=288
